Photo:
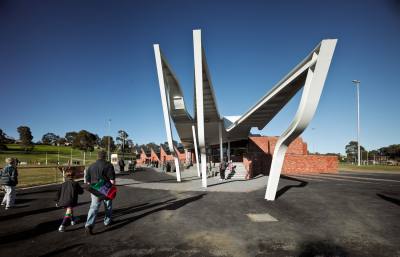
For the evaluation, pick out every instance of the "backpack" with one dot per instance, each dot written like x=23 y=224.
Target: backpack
x=5 y=178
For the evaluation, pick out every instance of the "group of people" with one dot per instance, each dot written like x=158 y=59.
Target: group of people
x=69 y=191
x=223 y=167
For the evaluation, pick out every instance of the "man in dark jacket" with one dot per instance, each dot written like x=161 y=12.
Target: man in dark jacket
x=9 y=180
x=101 y=169
x=121 y=164
x=222 y=168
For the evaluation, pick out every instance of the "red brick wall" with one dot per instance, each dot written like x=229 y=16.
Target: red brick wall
x=181 y=156
x=142 y=158
x=297 y=160
x=153 y=155
x=168 y=157
x=267 y=144
x=295 y=164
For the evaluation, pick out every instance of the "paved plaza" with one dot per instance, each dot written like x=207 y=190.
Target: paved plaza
x=344 y=214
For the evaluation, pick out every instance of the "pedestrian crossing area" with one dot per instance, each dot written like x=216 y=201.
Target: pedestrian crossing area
x=353 y=178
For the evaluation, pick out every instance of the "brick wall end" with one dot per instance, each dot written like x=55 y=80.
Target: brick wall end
x=295 y=164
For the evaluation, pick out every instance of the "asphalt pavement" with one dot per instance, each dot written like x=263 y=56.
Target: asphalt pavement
x=345 y=214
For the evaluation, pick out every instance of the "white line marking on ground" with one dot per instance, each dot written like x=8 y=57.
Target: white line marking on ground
x=362 y=178
x=261 y=217
x=312 y=179
x=339 y=179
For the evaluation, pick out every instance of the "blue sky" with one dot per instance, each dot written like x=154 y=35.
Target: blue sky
x=71 y=65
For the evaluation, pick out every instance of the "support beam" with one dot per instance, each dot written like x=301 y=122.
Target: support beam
x=312 y=90
x=196 y=150
x=165 y=106
x=221 y=146
x=198 y=75
x=229 y=151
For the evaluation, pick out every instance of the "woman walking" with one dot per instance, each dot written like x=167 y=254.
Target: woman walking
x=9 y=180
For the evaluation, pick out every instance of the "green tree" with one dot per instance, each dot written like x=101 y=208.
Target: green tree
x=61 y=141
x=122 y=137
x=70 y=137
x=3 y=140
x=104 y=143
x=84 y=141
x=393 y=151
x=50 y=139
x=25 y=137
x=153 y=146
x=352 y=150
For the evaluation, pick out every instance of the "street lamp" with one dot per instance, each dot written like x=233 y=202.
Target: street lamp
x=357 y=83
x=109 y=138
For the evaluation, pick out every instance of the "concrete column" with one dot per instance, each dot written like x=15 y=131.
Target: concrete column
x=198 y=75
x=311 y=94
x=229 y=150
x=196 y=150
x=165 y=105
x=221 y=147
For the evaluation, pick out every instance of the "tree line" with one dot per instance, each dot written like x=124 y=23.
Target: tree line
x=391 y=152
x=83 y=140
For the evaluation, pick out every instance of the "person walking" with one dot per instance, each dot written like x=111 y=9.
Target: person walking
x=101 y=169
x=67 y=197
x=9 y=180
x=121 y=164
x=222 y=168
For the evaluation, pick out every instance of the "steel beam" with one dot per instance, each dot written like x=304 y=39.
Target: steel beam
x=316 y=75
x=165 y=106
x=198 y=75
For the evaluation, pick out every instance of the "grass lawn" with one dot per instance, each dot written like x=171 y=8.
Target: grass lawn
x=350 y=167
x=38 y=176
x=54 y=153
x=36 y=172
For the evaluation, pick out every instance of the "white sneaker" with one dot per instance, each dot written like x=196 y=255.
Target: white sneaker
x=74 y=221
x=61 y=229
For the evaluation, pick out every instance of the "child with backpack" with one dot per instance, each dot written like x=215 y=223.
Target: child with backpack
x=67 y=197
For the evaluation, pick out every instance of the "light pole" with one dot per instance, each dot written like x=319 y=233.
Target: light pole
x=109 y=138
x=357 y=83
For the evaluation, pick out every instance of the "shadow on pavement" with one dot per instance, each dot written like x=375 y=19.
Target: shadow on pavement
x=170 y=205
x=38 y=230
x=226 y=182
x=21 y=201
x=12 y=216
x=389 y=199
x=53 y=253
x=32 y=191
x=286 y=188
x=321 y=248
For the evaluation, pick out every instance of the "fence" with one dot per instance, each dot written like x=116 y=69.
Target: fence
x=35 y=175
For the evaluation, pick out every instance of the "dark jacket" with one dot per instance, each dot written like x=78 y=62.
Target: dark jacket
x=9 y=176
x=121 y=163
x=100 y=169
x=67 y=195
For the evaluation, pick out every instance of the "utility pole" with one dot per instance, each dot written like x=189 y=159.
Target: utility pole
x=357 y=83
x=109 y=138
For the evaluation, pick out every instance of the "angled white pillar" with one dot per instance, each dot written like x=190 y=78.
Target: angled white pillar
x=196 y=150
x=229 y=150
x=312 y=90
x=198 y=75
x=221 y=147
x=165 y=106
